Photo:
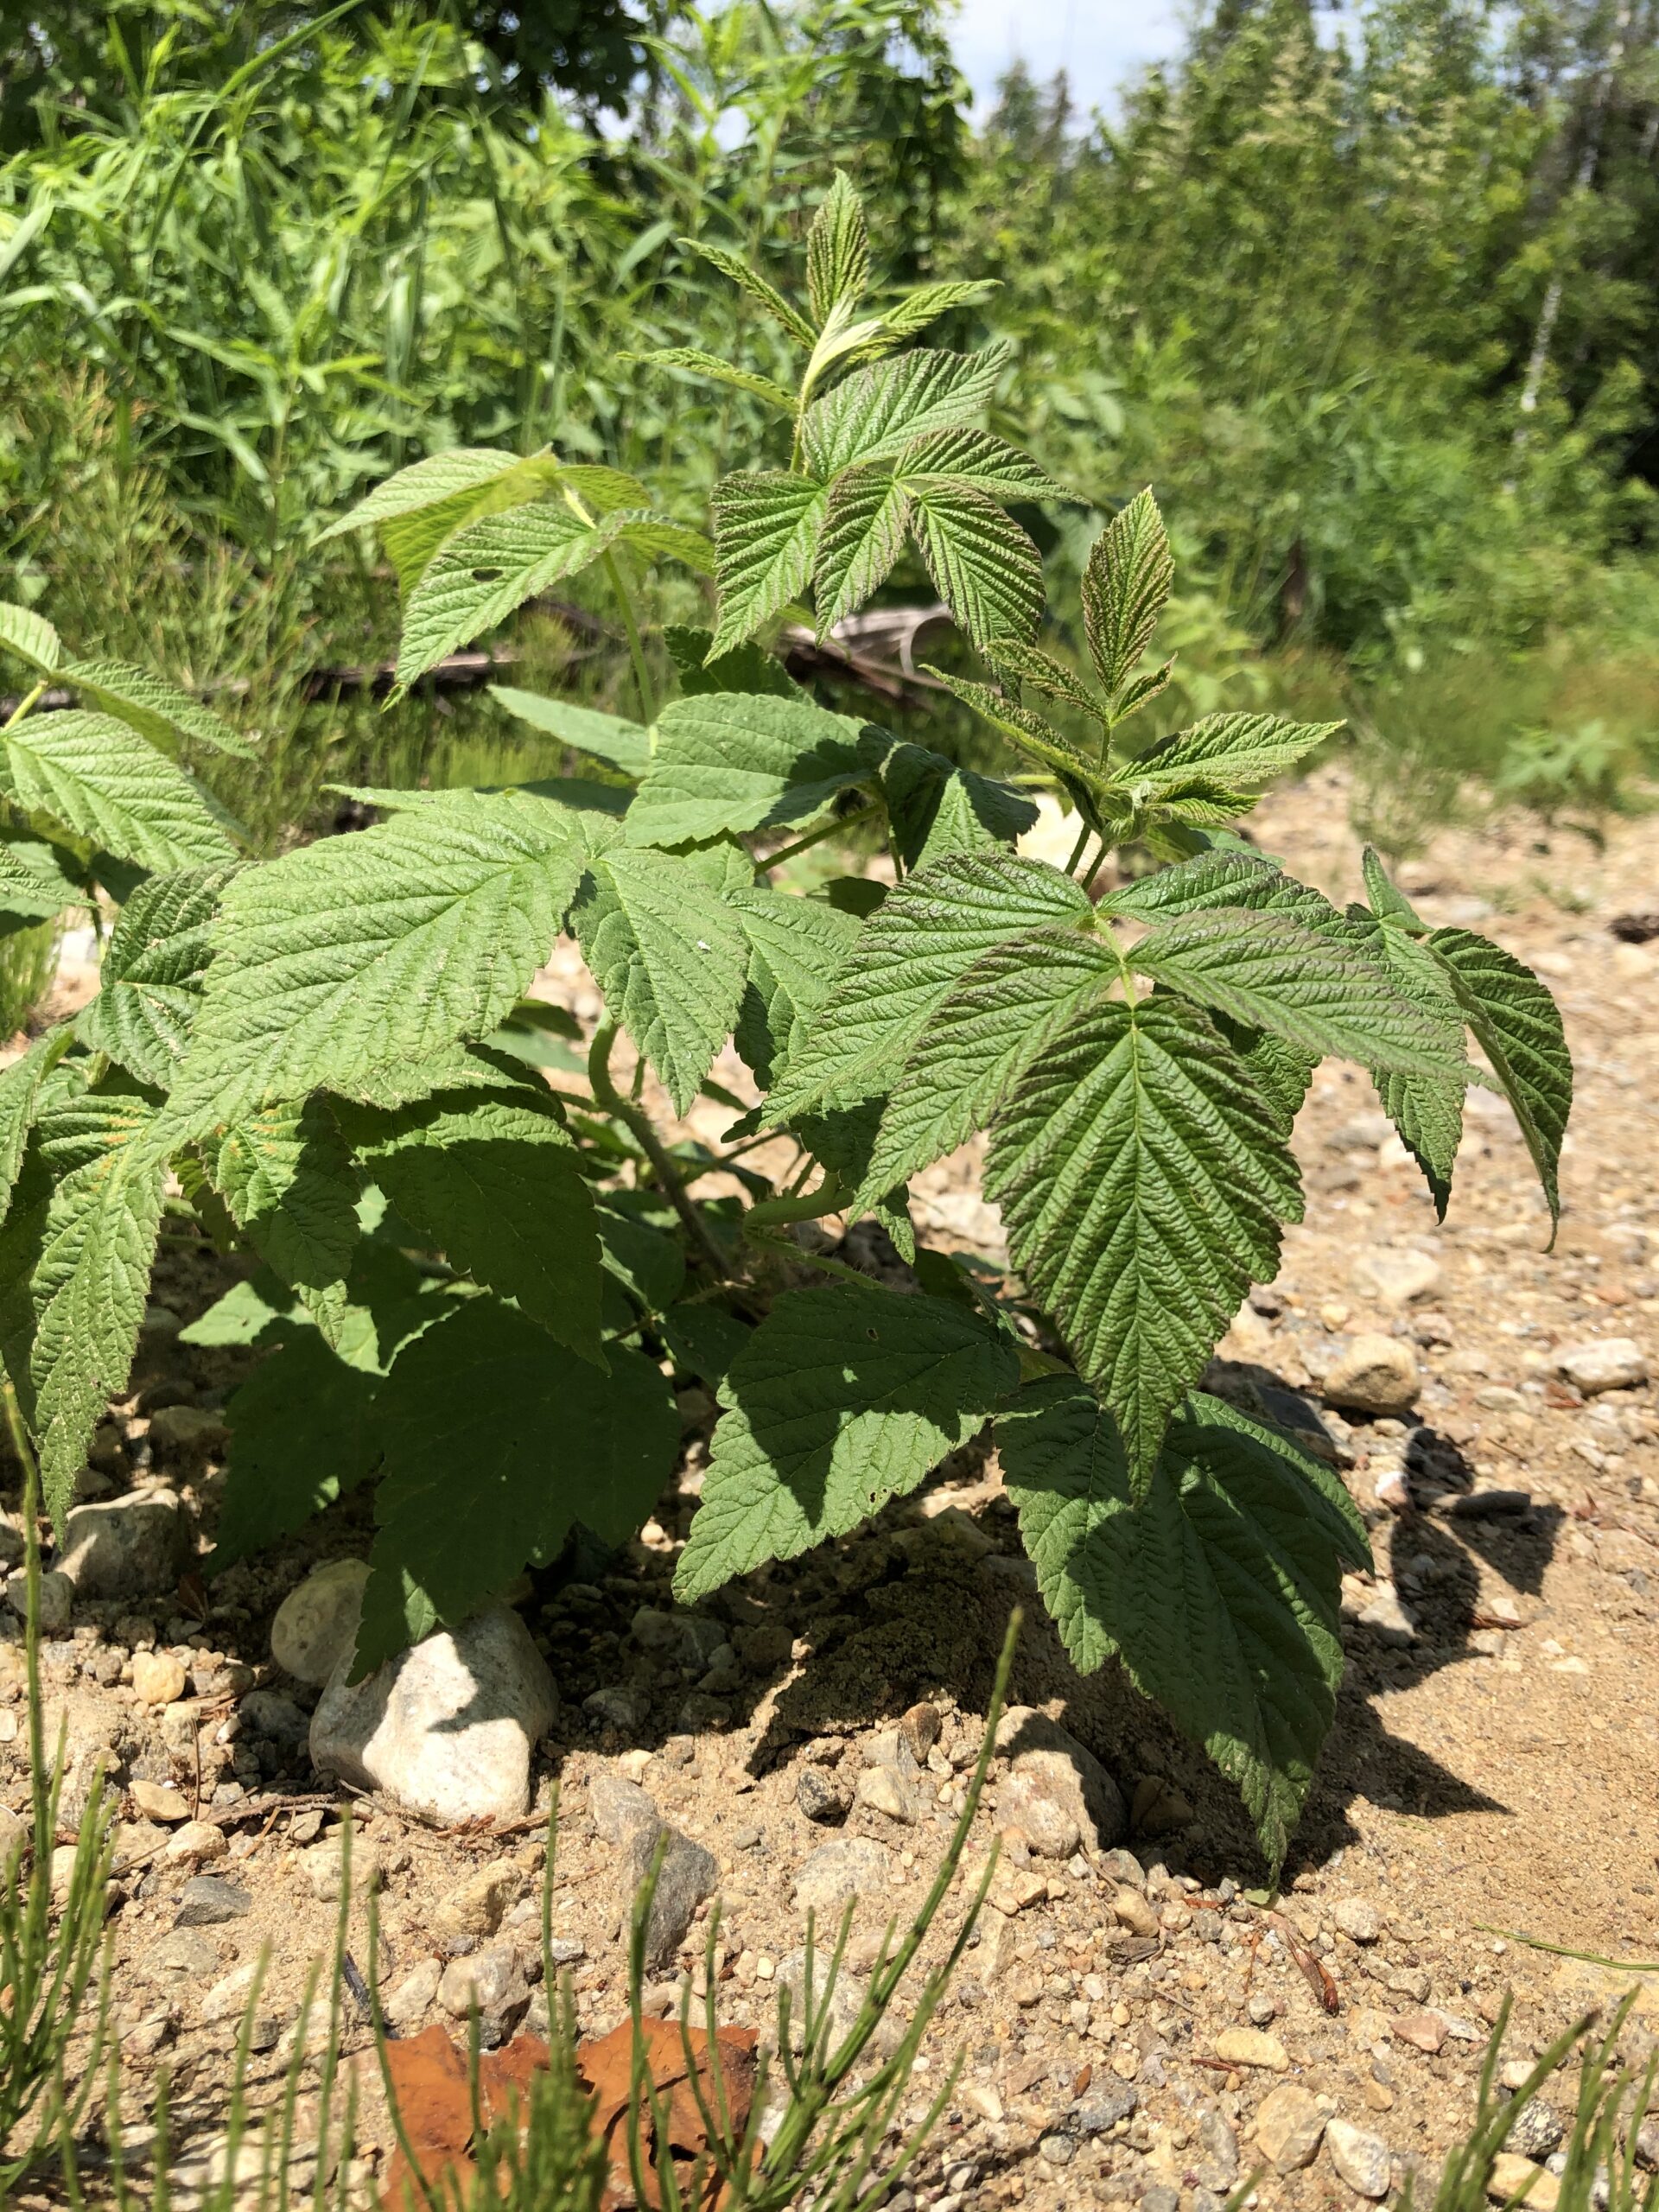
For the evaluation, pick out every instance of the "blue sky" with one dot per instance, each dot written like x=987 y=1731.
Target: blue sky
x=1097 y=42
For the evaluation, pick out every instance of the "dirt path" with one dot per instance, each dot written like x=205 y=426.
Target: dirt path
x=1495 y=1759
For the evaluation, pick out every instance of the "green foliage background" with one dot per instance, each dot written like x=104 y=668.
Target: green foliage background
x=1372 y=312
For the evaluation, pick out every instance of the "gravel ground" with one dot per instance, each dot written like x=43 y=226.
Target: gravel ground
x=1135 y=2026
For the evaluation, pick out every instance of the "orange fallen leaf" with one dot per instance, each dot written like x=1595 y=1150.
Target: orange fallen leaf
x=607 y=2066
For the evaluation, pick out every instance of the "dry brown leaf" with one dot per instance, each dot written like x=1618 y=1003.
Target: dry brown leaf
x=607 y=2066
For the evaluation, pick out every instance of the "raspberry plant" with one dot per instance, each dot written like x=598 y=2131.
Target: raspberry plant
x=473 y=1285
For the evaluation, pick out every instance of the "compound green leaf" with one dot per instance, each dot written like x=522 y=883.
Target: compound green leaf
x=876 y=412
x=767 y=525
x=1027 y=731
x=1519 y=1026
x=1311 y=988
x=927 y=932
x=156 y=708
x=490 y=568
x=841 y=1399
x=75 y=1256
x=733 y=265
x=936 y=808
x=20 y=1098
x=1142 y=1179
x=984 y=566
x=980 y=460
x=102 y=780
x=905 y=316
x=287 y=1178
x=30 y=637
x=1228 y=752
x=35 y=882
x=357 y=953
x=1126 y=585
x=1191 y=887
x=303 y=1434
x=153 y=974
x=863 y=536
x=796 y=946
x=838 y=250
x=1003 y=1012
x=491 y=1179
x=495 y=1446
x=624 y=744
x=732 y=761
x=420 y=506
x=1218 y=1588
x=1032 y=666
x=668 y=957
x=747 y=667
x=693 y=360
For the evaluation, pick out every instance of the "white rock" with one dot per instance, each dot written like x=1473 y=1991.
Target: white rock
x=1387 y=1618
x=415 y=1995
x=1373 y=1375
x=446 y=1729
x=475 y=1907
x=1358 y=1918
x=1058 y=1780
x=316 y=1624
x=197 y=1842
x=158 y=1678
x=836 y=1874
x=227 y=1998
x=482 y=1981
x=1288 y=2126
x=1394 y=1275
x=1603 y=1364
x=1361 y=2160
x=324 y=1867
x=134 y=1546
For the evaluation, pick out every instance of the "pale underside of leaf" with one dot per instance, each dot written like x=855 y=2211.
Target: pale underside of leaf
x=1143 y=1180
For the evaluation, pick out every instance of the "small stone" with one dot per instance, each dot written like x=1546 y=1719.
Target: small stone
x=57 y=1598
x=208 y=1899
x=1395 y=1275
x=1387 y=1618
x=1288 y=2127
x=324 y=1865
x=918 y=1729
x=687 y=1639
x=1424 y=2030
x=822 y=1794
x=197 y=1843
x=1511 y=2176
x=188 y=1432
x=688 y=1875
x=480 y=1980
x=157 y=1677
x=446 y=1728
x=1162 y=2196
x=476 y=1908
x=133 y=1546
x=1603 y=1364
x=158 y=1800
x=415 y=1996
x=183 y=1956
x=1058 y=2150
x=227 y=1999
x=1103 y=2107
x=1220 y=2148
x=1361 y=2160
x=1358 y=1918
x=851 y=1870
x=1374 y=1375
x=883 y=1791
x=1251 y=2047
x=1061 y=1783
x=617 y=1707
x=1158 y=1808
x=316 y=1624
x=1261 y=2008
x=1131 y=1910
x=269 y=1714
x=619 y=1807
x=1537 y=2129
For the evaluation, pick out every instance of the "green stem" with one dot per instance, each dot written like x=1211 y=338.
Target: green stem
x=599 y=1074
x=831 y=1197
x=1078 y=849
x=636 y=645
x=816 y=836
x=30 y=699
